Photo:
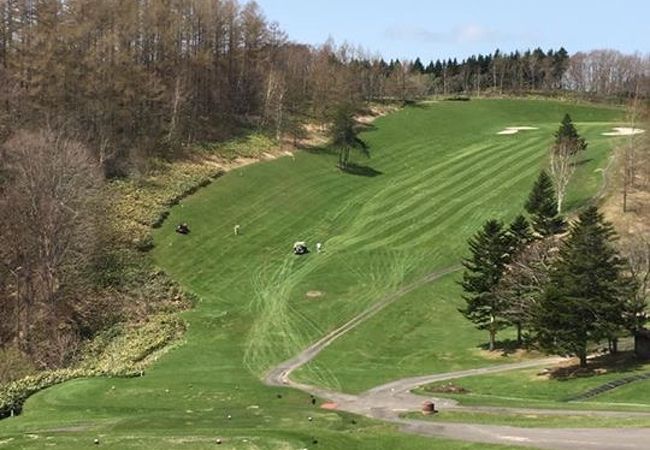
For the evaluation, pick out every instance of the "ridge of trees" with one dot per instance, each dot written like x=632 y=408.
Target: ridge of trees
x=139 y=78
x=564 y=293
x=567 y=295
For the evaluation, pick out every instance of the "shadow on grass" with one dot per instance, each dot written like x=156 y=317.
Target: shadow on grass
x=362 y=127
x=582 y=162
x=360 y=170
x=622 y=362
x=319 y=150
x=507 y=347
x=416 y=104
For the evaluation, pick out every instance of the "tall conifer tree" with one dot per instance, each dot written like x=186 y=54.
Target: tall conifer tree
x=484 y=268
x=567 y=135
x=586 y=298
x=542 y=206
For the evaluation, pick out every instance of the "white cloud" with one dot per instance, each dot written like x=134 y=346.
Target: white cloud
x=462 y=34
x=473 y=33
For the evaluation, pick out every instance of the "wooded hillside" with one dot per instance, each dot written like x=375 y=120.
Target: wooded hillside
x=98 y=89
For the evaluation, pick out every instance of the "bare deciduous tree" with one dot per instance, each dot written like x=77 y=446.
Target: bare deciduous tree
x=562 y=166
x=637 y=252
x=46 y=205
x=524 y=279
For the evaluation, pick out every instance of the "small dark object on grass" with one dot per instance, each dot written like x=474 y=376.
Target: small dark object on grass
x=314 y=441
x=354 y=422
x=96 y=441
x=428 y=407
x=279 y=395
x=458 y=98
x=182 y=228
x=449 y=388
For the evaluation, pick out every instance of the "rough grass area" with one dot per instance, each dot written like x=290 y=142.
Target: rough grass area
x=138 y=204
x=252 y=145
x=443 y=171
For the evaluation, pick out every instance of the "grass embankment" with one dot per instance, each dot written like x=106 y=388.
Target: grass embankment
x=442 y=172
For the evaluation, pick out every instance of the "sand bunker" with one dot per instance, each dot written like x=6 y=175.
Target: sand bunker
x=515 y=130
x=314 y=294
x=329 y=405
x=624 y=131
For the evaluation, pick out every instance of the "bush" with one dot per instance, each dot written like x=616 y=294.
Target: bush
x=249 y=146
x=458 y=98
x=14 y=364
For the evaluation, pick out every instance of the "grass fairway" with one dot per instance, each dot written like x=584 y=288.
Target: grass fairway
x=443 y=171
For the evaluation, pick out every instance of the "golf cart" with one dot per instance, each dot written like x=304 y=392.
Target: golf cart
x=300 y=248
x=182 y=228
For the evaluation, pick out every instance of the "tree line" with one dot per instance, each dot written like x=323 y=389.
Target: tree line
x=605 y=73
x=140 y=78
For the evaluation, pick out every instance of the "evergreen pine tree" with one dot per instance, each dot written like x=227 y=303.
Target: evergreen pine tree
x=518 y=235
x=587 y=296
x=542 y=206
x=483 y=271
x=567 y=135
x=417 y=67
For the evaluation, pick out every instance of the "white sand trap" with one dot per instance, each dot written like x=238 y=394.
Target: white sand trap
x=515 y=130
x=624 y=131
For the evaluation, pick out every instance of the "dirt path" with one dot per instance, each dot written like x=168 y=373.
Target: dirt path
x=388 y=401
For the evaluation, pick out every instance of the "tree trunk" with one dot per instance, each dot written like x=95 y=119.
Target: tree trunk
x=519 y=339
x=583 y=358
x=492 y=340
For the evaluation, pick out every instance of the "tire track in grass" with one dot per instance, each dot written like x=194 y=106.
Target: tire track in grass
x=279 y=375
x=281 y=330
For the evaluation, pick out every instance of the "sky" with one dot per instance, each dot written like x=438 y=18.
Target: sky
x=459 y=28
